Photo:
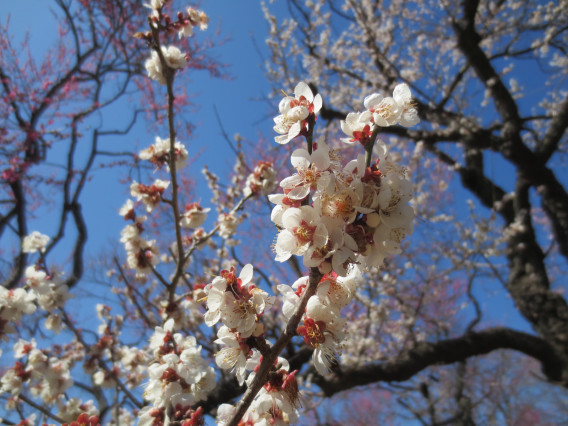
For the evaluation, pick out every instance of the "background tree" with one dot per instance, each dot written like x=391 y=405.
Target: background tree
x=416 y=325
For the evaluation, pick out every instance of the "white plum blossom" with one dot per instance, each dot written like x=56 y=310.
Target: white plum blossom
x=151 y=195
x=194 y=216
x=311 y=172
x=302 y=229
x=36 y=241
x=262 y=180
x=294 y=113
x=234 y=353
x=322 y=330
x=174 y=59
x=237 y=302
x=228 y=223
x=159 y=153
x=396 y=110
x=179 y=376
x=358 y=126
x=292 y=296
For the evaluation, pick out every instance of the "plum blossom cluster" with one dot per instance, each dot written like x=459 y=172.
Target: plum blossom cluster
x=340 y=216
x=297 y=113
x=237 y=302
x=172 y=56
x=322 y=325
x=276 y=403
x=141 y=255
x=159 y=153
x=262 y=180
x=46 y=376
x=36 y=241
x=42 y=289
x=380 y=111
x=179 y=378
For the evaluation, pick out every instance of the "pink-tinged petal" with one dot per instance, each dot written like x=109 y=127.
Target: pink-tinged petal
x=318 y=103
x=246 y=274
x=302 y=89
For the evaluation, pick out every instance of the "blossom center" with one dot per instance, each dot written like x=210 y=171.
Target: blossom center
x=304 y=233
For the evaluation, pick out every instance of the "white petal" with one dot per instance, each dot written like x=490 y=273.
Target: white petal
x=246 y=273
x=302 y=89
x=401 y=93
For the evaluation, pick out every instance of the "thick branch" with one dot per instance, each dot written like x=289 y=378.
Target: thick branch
x=447 y=351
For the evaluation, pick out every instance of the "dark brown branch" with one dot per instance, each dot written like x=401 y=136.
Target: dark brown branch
x=448 y=351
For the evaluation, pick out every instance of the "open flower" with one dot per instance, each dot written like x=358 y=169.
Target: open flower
x=311 y=172
x=303 y=229
x=294 y=113
x=36 y=241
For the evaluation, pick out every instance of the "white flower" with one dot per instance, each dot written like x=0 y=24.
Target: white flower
x=151 y=195
x=262 y=180
x=389 y=111
x=228 y=223
x=194 y=216
x=36 y=241
x=159 y=153
x=403 y=97
x=294 y=113
x=292 y=296
x=322 y=330
x=174 y=59
x=234 y=355
x=311 y=172
x=358 y=127
x=16 y=303
x=303 y=228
